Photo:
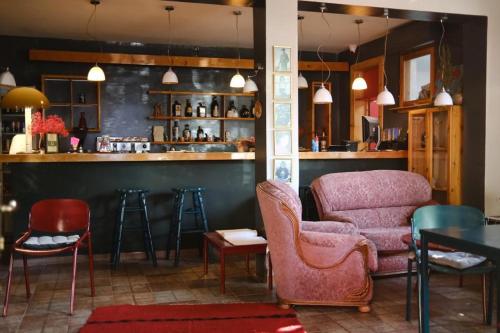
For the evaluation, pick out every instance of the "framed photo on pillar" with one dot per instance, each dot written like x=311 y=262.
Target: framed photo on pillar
x=282 y=59
x=282 y=115
x=283 y=143
x=282 y=170
x=282 y=87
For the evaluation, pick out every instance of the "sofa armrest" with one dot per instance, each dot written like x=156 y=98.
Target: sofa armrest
x=329 y=227
x=327 y=250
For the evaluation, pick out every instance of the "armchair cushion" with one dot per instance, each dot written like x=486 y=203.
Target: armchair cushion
x=330 y=226
x=387 y=239
x=324 y=250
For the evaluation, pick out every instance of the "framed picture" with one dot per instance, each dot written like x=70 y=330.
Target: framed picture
x=282 y=115
x=282 y=170
x=282 y=143
x=281 y=59
x=282 y=87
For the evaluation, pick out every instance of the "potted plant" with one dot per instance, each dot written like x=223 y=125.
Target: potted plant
x=50 y=127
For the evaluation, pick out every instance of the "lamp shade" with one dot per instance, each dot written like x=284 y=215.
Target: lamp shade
x=250 y=86
x=237 y=81
x=169 y=77
x=359 y=83
x=322 y=96
x=302 y=82
x=24 y=97
x=7 y=78
x=96 y=74
x=385 y=97
x=443 y=98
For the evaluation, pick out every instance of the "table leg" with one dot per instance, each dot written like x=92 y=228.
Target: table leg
x=222 y=272
x=270 y=274
x=497 y=278
x=423 y=309
x=205 y=255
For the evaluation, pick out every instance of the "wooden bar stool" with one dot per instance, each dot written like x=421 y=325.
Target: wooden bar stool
x=123 y=208
x=197 y=209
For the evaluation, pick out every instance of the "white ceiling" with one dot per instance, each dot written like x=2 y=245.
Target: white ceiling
x=145 y=21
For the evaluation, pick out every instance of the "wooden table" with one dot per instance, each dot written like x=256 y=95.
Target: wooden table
x=225 y=248
x=484 y=241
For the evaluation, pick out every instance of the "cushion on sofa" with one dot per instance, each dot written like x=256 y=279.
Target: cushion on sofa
x=375 y=217
x=387 y=239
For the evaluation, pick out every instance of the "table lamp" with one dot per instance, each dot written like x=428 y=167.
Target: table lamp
x=26 y=98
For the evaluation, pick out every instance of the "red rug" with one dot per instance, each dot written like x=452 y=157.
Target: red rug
x=213 y=318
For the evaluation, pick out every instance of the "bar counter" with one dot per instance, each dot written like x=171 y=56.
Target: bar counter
x=185 y=156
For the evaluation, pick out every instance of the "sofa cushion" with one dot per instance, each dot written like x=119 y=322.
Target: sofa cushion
x=377 y=217
x=369 y=189
x=387 y=239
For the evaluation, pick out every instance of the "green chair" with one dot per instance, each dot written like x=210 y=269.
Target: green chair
x=445 y=216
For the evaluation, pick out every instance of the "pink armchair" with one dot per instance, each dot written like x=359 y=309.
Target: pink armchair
x=314 y=263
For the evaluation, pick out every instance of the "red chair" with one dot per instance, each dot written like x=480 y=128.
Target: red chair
x=51 y=217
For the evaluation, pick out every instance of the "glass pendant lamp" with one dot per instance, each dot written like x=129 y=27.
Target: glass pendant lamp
x=385 y=97
x=443 y=98
x=95 y=73
x=169 y=77
x=6 y=78
x=359 y=82
x=322 y=95
x=302 y=82
x=237 y=81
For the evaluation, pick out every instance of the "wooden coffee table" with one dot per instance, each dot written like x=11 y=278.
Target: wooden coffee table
x=225 y=248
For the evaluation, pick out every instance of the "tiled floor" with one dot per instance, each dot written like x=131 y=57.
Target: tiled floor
x=453 y=309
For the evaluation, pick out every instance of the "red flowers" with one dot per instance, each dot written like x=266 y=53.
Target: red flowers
x=53 y=124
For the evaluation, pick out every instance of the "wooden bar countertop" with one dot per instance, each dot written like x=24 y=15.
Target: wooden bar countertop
x=185 y=156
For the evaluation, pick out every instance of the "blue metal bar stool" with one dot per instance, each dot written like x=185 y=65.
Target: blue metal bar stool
x=125 y=207
x=200 y=217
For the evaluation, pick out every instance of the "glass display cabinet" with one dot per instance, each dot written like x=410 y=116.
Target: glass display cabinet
x=435 y=150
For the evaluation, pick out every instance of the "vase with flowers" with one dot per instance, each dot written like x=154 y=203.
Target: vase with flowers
x=49 y=128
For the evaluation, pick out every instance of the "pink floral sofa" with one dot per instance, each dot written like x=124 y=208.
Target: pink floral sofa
x=379 y=204
x=325 y=263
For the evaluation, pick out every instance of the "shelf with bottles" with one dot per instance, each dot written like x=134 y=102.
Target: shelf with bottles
x=191 y=142
x=200 y=118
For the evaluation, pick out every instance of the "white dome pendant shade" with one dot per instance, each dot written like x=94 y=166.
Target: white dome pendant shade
x=385 y=97
x=322 y=96
x=237 y=81
x=250 y=86
x=170 y=77
x=443 y=98
x=359 y=83
x=7 y=78
x=302 y=82
x=96 y=74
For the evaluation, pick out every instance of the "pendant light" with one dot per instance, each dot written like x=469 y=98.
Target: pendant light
x=169 y=77
x=359 y=82
x=322 y=95
x=443 y=98
x=237 y=81
x=385 y=97
x=250 y=85
x=6 y=78
x=302 y=82
x=95 y=73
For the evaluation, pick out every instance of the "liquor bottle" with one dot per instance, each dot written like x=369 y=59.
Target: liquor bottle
x=188 y=112
x=176 y=109
x=244 y=113
x=214 y=107
x=186 y=133
x=322 y=142
x=201 y=110
x=175 y=132
x=199 y=134
x=82 y=122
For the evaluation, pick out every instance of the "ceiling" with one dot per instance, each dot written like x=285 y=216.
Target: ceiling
x=146 y=21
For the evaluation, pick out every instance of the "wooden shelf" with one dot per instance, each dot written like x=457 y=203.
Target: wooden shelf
x=171 y=92
x=405 y=109
x=14 y=115
x=85 y=105
x=199 y=118
x=60 y=104
x=440 y=149
x=191 y=142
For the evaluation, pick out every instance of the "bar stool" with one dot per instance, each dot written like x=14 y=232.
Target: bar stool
x=197 y=209
x=123 y=208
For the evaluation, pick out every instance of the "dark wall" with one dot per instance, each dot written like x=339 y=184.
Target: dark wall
x=125 y=104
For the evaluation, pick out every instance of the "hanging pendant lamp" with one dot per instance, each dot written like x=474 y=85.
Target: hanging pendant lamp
x=6 y=78
x=322 y=95
x=443 y=98
x=169 y=77
x=359 y=82
x=385 y=97
x=302 y=82
x=237 y=81
x=250 y=86
x=95 y=73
